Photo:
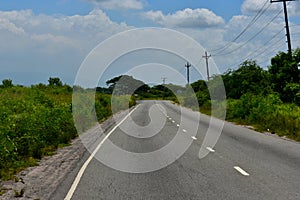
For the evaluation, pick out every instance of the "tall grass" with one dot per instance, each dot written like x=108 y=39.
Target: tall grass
x=266 y=114
x=35 y=121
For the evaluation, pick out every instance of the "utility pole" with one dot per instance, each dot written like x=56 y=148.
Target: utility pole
x=164 y=88
x=188 y=65
x=288 y=36
x=206 y=56
x=164 y=80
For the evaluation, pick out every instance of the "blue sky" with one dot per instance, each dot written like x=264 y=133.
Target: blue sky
x=53 y=37
x=71 y=7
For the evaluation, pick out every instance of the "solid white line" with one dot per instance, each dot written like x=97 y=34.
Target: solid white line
x=194 y=138
x=210 y=149
x=84 y=166
x=241 y=171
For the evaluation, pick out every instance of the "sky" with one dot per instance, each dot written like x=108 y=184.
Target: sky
x=52 y=38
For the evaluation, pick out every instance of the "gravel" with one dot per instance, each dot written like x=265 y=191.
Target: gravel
x=40 y=181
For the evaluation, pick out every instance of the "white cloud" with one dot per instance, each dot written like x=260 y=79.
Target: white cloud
x=227 y=54
x=34 y=47
x=294 y=8
x=40 y=46
x=188 y=18
x=52 y=38
x=254 y=6
x=120 y=4
x=11 y=27
x=18 y=16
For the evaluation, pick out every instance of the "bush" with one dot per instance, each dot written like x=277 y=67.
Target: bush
x=31 y=125
x=267 y=114
x=35 y=121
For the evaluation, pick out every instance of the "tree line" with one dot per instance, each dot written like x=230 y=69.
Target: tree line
x=36 y=120
x=267 y=99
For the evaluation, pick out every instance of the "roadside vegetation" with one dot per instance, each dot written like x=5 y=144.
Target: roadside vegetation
x=268 y=99
x=36 y=120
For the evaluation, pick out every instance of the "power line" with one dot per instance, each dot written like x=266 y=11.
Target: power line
x=253 y=21
x=260 y=51
x=288 y=36
x=271 y=53
x=271 y=49
x=257 y=51
x=260 y=31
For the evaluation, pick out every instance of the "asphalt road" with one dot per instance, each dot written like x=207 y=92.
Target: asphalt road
x=244 y=164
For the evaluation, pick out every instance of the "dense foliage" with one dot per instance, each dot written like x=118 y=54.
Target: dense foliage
x=127 y=85
x=36 y=120
x=268 y=99
x=33 y=122
x=266 y=113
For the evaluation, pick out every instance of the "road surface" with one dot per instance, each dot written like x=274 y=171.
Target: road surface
x=244 y=164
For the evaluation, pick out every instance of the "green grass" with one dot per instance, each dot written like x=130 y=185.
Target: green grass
x=35 y=121
x=266 y=114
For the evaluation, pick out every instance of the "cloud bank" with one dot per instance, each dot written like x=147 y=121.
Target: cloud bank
x=253 y=6
x=34 y=47
x=39 y=46
x=188 y=18
x=120 y=5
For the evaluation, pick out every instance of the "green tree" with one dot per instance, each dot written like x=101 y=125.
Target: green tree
x=54 y=82
x=127 y=85
x=248 y=78
x=199 y=85
x=201 y=91
x=291 y=92
x=284 y=70
x=7 y=83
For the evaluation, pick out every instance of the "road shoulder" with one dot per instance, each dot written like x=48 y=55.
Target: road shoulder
x=41 y=181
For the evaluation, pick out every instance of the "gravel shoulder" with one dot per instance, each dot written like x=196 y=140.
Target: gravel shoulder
x=41 y=181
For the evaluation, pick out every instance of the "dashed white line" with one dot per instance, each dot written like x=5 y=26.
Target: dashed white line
x=194 y=138
x=173 y=121
x=243 y=172
x=177 y=125
x=184 y=130
x=210 y=149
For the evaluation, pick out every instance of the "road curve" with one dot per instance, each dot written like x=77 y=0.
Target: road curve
x=244 y=164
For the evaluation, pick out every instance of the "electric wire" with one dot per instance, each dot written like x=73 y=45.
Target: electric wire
x=252 y=22
x=266 y=48
x=270 y=54
x=258 y=51
x=254 y=36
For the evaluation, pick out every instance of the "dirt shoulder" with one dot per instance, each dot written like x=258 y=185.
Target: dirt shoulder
x=40 y=181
